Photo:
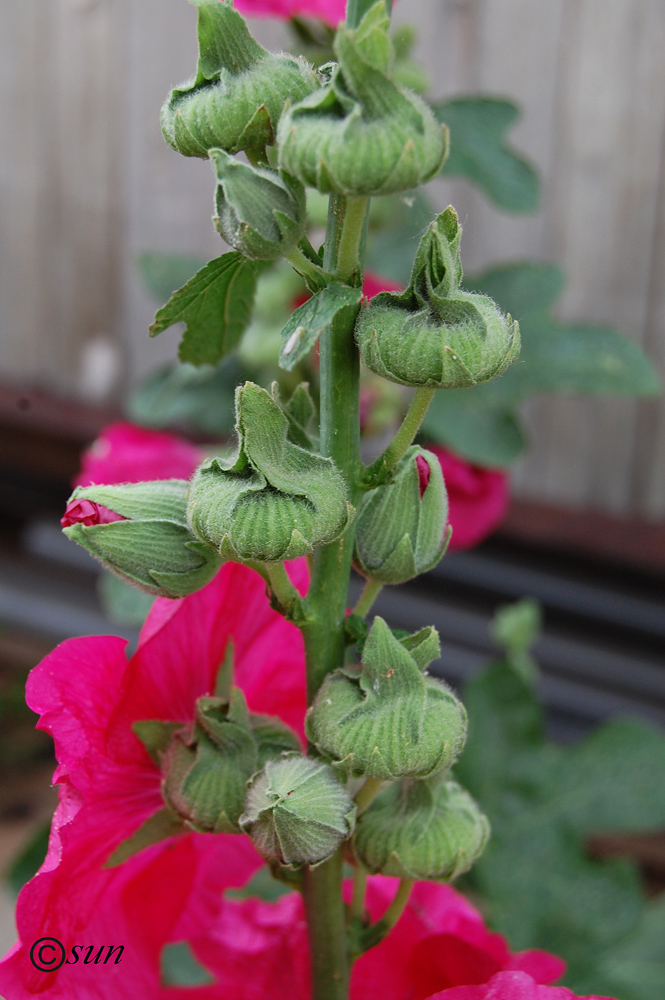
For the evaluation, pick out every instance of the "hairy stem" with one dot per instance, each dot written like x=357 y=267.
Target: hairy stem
x=359 y=889
x=281 y=585
x=370 y=592
x=402 y=441
x=327 y=932
x=367 y=794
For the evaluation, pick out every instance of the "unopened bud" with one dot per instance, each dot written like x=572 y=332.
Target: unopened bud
x=401 y=528
x=435 y=334
x=274 y=500
x=362 y=133
x=297 y=811
x=388 y=719
x=139 y=532
x=236 y=99
x=421 y=830
x=260 y=212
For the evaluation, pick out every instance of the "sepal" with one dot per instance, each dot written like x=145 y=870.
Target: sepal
x=272 y=500
x=421 y=830
x=150 y=545
x=401 y=530
x=362 y=133
x=297 y=811
x=236 y=99
x=387 y=719
x=435 y=334
x=260 y=212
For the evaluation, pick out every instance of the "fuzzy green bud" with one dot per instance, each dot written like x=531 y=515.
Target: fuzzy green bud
x=260 y=212
x=388 y=719
x=206 y=766
x=236 y=99
x=362 y=133
x=401 y=529
x=273 y=500
x=421 y=830
x=297 y=811
x=435 y=334
x=139 y=532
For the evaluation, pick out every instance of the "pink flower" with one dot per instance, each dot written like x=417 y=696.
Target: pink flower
x=87 y=512
x=478 y=497
x=88 y=695
x=125 y=453
x=511 y=986
x=330 y=11
x=374 y=283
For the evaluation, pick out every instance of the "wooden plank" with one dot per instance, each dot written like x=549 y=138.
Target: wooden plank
x=601 y=215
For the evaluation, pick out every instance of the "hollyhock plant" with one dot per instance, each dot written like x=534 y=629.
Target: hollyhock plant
x=174 y=890
x=126 y=453
x=478 y=498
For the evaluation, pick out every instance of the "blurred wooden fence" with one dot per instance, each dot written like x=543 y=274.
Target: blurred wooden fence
x=86 y=183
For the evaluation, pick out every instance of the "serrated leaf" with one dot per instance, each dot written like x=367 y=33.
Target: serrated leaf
x=215 y=306
x=479 y=151
x=163 y=273
x=312 y=319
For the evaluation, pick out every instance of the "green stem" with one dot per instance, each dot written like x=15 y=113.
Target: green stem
x=359 y=890
x=367 y=794
x=371 y=591
x=316 y=276
x=398 y=905
x=398 y=447
x=327 y=929
x=281 y=586
x=323 y=627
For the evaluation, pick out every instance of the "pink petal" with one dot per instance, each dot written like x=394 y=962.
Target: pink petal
x=478 y=497
x=124 y=453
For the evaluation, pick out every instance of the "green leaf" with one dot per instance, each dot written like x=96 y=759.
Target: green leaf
x=523 y=288
x=180 y=967
x=215 y=306
x=479 y=152
x=185 y=396
x=473 y=425
x=160 y=826
x=163 y=273
x=312 y=319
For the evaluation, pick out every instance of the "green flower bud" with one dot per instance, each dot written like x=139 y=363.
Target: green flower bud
x=401 y=528
x=362 y=134
x=139 y=532
x=388 y=719
x=421 y=830
x=435 y=334
x=236 y=99
x=273 y=500
x=297 y=811
x=206 y=766
x=260 y=212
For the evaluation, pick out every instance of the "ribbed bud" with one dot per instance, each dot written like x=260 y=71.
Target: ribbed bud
x=260 y=212
x=435 y=334
x=272 y=501
x=421 y=830
x=206 y=766
x=388 y=719
x=401 y=529
x=362 y=134
x=148 y=544
x=297 y=811
x=236 y=99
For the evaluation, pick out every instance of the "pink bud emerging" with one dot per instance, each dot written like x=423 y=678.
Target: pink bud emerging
x=86 y=512
x=423 y=474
